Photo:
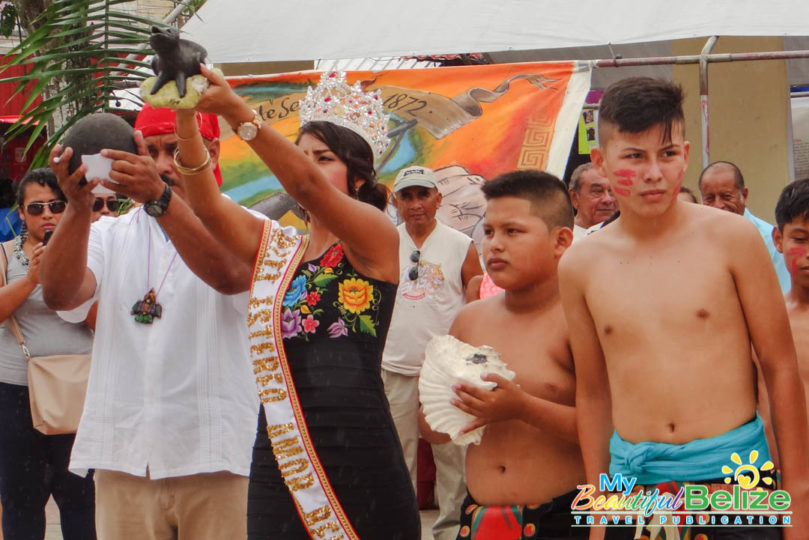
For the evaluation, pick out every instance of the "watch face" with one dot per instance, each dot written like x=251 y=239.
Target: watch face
x=247 y=132
x=153 y=209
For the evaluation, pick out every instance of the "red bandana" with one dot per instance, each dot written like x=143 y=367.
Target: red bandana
x=151 y=121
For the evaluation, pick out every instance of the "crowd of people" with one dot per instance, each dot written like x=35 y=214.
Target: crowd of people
x=248 y=381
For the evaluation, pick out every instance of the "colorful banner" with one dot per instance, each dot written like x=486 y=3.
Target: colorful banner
x=468 y=123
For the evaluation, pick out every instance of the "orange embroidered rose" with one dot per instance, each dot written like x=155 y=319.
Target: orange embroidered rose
x=355 y=294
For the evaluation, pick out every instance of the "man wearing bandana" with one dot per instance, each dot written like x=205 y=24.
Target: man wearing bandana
x=169 y=418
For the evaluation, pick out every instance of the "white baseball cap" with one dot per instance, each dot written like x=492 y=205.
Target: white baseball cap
x=415 y=176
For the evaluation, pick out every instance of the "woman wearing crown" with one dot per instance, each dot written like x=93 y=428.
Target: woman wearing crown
x=327 y=462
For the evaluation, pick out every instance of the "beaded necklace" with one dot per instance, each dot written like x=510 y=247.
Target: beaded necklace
x=18 y=251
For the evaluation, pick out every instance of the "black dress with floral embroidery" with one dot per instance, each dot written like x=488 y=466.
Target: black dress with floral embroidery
x=335 y=321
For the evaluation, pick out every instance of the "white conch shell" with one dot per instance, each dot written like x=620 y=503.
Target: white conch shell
x=448 y=361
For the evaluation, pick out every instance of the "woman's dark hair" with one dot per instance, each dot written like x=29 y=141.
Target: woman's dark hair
x=43 y=177
x=357 y=156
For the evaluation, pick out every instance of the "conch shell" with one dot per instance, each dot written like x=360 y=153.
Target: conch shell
x=448 y=361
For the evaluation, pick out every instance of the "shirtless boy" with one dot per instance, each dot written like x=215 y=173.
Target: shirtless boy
x=661 y=334
x=528 y=463
x=791 y=237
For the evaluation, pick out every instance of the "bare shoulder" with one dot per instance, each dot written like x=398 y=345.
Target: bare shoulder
x=586 y=253
x=720 y=226
x=474 y=314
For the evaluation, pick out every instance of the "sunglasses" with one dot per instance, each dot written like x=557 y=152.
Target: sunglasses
x=36 y=208
x=112 y=204
x=413 y=273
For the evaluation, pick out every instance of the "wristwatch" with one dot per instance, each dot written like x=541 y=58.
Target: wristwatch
x=158 y=208
x=247 y=131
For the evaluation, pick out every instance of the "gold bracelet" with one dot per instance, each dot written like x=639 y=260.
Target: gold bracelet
x=189 y=171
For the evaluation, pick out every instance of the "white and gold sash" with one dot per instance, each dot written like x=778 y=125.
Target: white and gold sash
x=278 y=257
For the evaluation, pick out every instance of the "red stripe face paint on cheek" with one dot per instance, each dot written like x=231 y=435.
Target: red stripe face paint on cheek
x=796 y=252
x=626 y=179
x=623 y=192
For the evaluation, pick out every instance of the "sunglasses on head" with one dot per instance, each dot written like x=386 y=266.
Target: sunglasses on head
x=112 y=204
x=36 y=208
x=413 y=273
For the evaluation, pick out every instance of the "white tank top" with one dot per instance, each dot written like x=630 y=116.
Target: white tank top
x=425 y=306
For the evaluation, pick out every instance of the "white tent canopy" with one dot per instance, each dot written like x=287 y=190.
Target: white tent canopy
x=266 y=30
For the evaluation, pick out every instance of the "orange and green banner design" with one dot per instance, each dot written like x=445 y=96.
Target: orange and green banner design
x=467 y=123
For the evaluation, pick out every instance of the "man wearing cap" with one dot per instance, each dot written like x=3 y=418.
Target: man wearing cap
x=169 y=418
x=436 y=262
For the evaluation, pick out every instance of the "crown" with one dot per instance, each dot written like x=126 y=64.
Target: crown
x=333 y=100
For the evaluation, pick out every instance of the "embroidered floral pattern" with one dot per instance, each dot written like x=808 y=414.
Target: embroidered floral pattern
x=290 y=323
x=355 y=295
x=355 y=308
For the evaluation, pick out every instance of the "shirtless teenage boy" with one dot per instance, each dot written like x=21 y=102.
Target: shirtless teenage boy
x=661 y=334
x=529 y=453
x=791 y=237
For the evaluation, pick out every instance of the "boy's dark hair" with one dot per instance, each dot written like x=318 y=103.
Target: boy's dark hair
x=545 y=192
x=636 y=104
x=792 y=203
x=43 y=177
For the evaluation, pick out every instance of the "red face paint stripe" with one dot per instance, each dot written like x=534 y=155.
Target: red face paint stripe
x=623 y=192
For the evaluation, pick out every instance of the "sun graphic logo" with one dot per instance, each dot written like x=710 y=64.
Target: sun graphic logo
x=747 y=475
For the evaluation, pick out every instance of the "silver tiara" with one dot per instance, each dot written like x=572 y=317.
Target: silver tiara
x=333 y=100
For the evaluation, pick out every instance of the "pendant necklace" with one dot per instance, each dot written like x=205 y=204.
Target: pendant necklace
x=147 y=309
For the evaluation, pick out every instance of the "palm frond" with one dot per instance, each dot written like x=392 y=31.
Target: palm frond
x=75 y=57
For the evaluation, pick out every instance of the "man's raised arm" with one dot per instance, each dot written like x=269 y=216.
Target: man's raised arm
x=66 y=280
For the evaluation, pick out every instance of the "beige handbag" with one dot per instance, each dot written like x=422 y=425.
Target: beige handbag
x=57 y=384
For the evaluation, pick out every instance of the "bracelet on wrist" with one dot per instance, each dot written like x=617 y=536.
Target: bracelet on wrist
x=190 y=171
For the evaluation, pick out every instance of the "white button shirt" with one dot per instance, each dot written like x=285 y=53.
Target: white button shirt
x=175 y=397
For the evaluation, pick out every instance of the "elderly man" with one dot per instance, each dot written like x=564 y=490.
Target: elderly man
x=592 y=198
x=721 y=186
x=436 y=263
x=169 y=420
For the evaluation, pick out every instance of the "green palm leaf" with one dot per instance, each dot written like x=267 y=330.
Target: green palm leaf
x=77 y=53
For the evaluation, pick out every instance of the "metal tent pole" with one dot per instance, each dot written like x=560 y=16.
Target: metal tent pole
x=703 y=99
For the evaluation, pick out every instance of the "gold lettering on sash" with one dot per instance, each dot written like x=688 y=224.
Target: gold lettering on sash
x=258 y=302
x=264 y=316
x=328 y=527
x=295 y=466
x=286 y=448
x=270 y=395
x=268 y=363
x=300 y=482
x=338 y=537
x=317 y=515
x=266 y=331
x=277 y=430
x=260 y=348
x=272 y=265
x=264 y=380
x=265 y=276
